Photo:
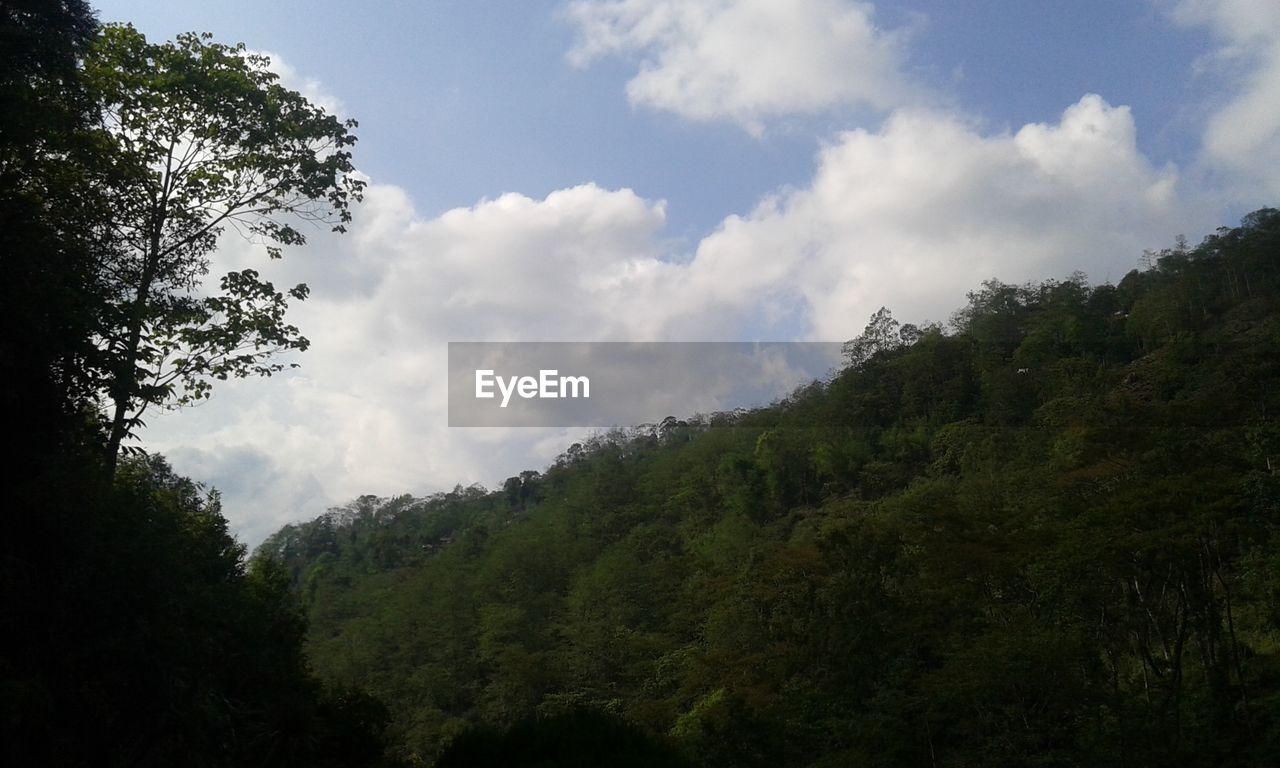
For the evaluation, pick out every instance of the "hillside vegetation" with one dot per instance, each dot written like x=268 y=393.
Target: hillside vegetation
x=1044 y=535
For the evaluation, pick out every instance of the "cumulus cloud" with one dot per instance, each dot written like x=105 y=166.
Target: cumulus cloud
x=748 y=61
x=367 y=412
x=310 y=87
x=918 y=212
x=910 y=216
x=1242 y=136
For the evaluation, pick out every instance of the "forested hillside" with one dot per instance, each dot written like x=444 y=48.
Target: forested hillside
x=1044 y=535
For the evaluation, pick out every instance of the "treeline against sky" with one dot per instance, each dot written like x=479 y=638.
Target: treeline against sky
x=1045 y=535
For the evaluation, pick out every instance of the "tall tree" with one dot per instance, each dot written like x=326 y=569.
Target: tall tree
x=881 y=335
x=48 y=208
x=207 y=139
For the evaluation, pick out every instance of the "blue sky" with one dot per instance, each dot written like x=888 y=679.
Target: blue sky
x=464 y=100
x=701 y=170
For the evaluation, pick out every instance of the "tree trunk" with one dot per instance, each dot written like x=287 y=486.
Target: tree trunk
x=126 y=383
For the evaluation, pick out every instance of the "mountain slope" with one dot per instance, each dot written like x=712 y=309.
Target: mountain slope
x=1044 y=536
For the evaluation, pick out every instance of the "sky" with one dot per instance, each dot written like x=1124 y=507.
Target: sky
x=703 y=170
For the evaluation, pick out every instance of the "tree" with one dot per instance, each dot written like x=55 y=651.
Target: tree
x=205 y=138
x=134 y=635
x=42 y=40
x=48 y=208
x=881 y=335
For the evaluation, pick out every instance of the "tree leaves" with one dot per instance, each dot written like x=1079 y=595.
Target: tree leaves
x=1036 y=540
x=207 y=142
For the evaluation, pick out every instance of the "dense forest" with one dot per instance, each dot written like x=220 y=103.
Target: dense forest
x=1044 y=535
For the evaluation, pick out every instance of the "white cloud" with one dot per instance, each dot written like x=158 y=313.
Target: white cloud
x=915 y=214
x=1242 y=136
x=367 y=412
x=310 y=87
x=910 y=216
x=751 y=60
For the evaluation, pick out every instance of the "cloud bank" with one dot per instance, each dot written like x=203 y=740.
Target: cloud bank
x=910 y=212
x=748 y=61
x=1242 y=134
x=910 y=216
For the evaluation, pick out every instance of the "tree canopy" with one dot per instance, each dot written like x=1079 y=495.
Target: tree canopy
x=135 y=631
x=1047 y=535
x=205 y=140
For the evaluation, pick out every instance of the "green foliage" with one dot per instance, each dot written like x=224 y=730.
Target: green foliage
x=882 y=335
x=52 y=209
x=1047 y=537
x=577 y=739
x=203 y=138
x=134 y=634
x=143 y=639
